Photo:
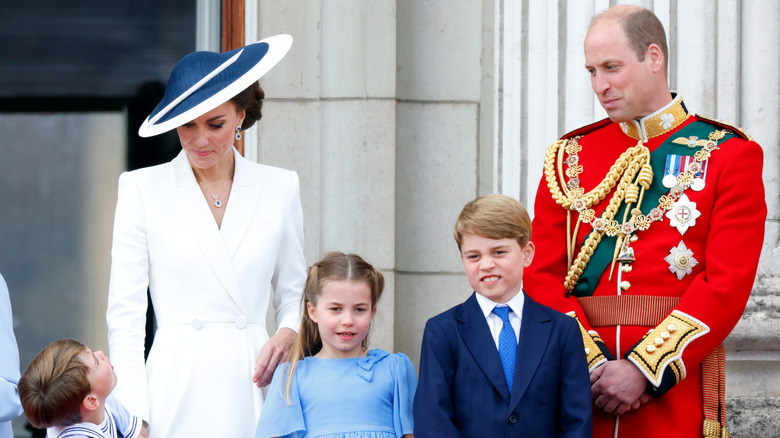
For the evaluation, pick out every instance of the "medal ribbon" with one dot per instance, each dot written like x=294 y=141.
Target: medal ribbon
x=672 y=165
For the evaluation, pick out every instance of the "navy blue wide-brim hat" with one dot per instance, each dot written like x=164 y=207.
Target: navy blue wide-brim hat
x=202 y=81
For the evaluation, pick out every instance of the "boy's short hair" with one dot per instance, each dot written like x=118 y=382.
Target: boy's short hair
x=495 y=217
x=55 y=384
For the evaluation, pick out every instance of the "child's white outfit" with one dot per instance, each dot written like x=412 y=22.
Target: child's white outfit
x=366 y=397
x=118 y=422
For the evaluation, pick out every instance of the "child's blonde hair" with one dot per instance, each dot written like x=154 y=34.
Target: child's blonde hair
x=334 y=266
x=495 y=217
x=55 y=384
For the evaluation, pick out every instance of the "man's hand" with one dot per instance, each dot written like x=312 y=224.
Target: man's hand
x=274 y=352
x=618 y=386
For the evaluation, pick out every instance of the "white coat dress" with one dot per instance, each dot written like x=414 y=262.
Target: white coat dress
x=210 y=288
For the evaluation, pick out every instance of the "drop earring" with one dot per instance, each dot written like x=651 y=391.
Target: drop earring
x=238 y=132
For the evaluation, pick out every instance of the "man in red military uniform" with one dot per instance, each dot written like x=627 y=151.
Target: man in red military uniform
x=648 y=228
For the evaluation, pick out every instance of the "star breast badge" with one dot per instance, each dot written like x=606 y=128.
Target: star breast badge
x=681 y=261
x=683 y=214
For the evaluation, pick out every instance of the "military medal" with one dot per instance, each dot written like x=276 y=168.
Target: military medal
x=699 y=171
x=671 y=170
x=692 y=165
x=696 y=168
x=681 y=261
x=683 y=214
x=677 y=164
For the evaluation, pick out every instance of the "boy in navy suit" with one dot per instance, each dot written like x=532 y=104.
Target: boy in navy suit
x=499 y=364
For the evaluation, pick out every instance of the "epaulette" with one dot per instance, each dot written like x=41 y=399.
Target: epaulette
x=737 y=130
x=587 y=129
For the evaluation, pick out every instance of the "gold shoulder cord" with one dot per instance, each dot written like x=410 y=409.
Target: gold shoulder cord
x=632 y=174
x=631 y=163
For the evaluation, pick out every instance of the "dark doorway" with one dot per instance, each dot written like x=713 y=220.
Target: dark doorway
x=78 y=78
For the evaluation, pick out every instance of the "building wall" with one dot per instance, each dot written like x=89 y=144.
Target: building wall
x=330 y=114
x=395 y=113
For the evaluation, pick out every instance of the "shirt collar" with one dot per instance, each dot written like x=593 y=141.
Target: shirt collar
x=658 y=123
x=516 y=304
x=85 y=429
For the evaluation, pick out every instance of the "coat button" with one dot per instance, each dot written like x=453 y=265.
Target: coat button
x=241 y=322
x=197 y=324
x=512 y=419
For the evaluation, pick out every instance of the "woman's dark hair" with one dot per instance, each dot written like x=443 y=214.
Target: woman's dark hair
x=251 y=101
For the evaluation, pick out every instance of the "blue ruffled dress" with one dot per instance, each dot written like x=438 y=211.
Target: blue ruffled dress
x=366 y=397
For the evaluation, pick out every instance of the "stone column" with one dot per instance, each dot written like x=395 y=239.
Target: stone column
x=439 y=75
x=330 y=115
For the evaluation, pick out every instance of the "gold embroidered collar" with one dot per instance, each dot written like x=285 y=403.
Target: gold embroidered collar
x=658 y=123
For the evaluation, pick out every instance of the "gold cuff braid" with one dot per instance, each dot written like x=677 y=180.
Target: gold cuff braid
x=663 y=346
x=592 y=351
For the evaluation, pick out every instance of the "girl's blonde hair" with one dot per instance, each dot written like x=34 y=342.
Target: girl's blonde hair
x=334 y=266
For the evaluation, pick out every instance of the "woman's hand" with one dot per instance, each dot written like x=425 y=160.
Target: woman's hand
x=144 y=433
x=274 y=352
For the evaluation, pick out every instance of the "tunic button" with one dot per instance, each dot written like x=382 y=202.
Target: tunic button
x=241 y=322
x=197 y=324
x=512 y=419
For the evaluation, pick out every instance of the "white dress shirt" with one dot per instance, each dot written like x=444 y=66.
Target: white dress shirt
x=494 y=322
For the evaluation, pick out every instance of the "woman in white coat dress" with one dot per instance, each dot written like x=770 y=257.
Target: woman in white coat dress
x=213 y=236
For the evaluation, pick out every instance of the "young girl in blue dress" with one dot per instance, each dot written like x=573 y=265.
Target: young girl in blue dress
x=334 y=386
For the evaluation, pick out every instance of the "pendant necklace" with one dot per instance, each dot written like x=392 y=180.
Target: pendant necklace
x=215 y=195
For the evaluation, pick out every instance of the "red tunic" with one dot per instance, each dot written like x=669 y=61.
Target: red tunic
x=725 y=242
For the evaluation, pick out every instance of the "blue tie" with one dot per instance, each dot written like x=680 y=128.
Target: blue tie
x=507 y=345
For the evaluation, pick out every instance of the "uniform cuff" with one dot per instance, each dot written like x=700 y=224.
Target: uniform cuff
x=595 y=349
x=659 y=353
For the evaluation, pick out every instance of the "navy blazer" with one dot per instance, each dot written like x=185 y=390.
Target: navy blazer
x=462 y=391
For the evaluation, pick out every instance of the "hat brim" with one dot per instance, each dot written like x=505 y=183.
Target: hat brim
x=158 y=123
